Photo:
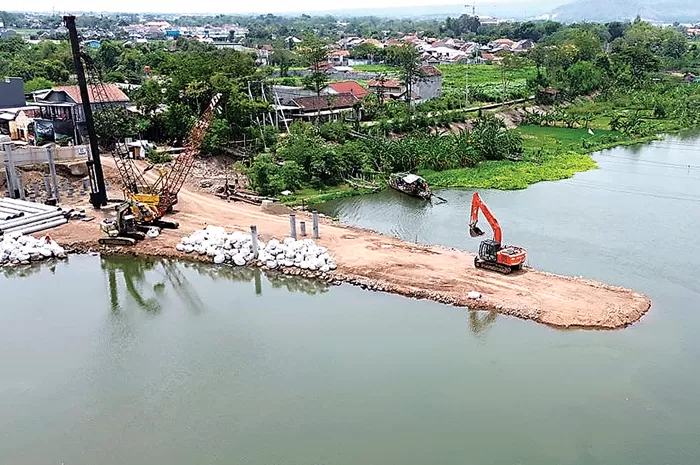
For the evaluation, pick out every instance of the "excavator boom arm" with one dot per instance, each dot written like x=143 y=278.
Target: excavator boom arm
x=478 y=204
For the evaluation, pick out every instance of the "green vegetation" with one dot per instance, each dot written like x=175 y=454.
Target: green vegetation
x=623 y=81
x=455 y=76
x=550 y=154
x=509 y=175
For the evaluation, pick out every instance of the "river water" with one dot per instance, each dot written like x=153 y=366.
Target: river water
x=114 y=361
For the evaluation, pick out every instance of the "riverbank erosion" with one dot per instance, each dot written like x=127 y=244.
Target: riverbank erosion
x=384 y=263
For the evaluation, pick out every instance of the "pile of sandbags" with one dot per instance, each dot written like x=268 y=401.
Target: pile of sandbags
x=17 y=248
x=237 y=248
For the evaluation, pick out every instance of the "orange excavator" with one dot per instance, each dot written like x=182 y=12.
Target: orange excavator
x=492 y=254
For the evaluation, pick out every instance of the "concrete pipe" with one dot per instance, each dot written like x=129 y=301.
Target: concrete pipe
x=28 y=211
x=10 y=216
x=29 y=219
x=43 y=226
x=29 y=225
x=14 y=214
x=28 y=206
x=10 y=211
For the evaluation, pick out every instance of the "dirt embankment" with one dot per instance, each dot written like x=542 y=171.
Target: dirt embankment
x=388 y=264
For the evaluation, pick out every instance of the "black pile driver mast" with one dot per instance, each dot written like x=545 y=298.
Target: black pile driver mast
x=94 y=94
x=98 y=192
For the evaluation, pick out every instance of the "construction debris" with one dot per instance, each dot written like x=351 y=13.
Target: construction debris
x=28 y=217
x=242 y=249
x=16 y=248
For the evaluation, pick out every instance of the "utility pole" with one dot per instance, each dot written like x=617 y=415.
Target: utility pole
x=467 y=88
x=98 y=192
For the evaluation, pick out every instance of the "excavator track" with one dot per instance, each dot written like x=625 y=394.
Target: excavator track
x=503 y=269
x=117 y=241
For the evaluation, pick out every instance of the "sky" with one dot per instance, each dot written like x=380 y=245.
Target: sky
x=233 y=7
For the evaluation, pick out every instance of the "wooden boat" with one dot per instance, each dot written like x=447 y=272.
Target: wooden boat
x=412 y=185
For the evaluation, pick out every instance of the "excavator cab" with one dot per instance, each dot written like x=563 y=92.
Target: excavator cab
x=488 y=250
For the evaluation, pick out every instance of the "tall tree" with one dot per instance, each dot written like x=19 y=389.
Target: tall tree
x=282 y=58
x=407 y=59
x=315 y=55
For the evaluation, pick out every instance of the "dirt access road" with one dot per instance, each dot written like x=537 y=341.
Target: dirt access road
x=388 y=264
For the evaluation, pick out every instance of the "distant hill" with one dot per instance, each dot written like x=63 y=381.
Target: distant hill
x=667 y=11
x=495 y=8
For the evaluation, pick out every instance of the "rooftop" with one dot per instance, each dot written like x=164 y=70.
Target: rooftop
x=113 y=93
x=325 y=102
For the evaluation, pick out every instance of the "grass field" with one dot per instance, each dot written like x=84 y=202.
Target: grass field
x=455 y=76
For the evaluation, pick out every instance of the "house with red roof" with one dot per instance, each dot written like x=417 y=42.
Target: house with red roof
x=345 y=87
x=338 y=57
x=65 y=102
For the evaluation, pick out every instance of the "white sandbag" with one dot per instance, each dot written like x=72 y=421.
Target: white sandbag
x=305 y=265
x=238 y=260
x=272 y=264
x=473 y=295
x=153 y=233
x=215 y=230
x=189 y=248
x=180 y=247
x=288 y=263
x=219 y=259
x=325 y=268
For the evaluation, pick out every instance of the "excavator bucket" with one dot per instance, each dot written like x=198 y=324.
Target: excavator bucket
x=475 y=231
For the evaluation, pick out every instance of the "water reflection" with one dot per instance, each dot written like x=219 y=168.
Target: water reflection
x=255 y=275
x=480 y=321
x=133 y=273
x=23 y=271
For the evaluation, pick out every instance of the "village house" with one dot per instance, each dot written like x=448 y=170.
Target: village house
x=345 y=87
x=386 y=88
x=65 y=102
x=429 y=86
x=338 y=57
x=329 y=107
x=61 y=111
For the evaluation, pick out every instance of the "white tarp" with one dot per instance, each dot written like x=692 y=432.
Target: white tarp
x=411 y=178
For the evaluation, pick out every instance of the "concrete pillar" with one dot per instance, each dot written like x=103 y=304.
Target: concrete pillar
x=52 y=170
x=293 y=226
x=302 y=228
x=314 y=215
x=13 y=184
x=47 y=186
x=20 y=187
x=9 y=179
x=254 y=236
